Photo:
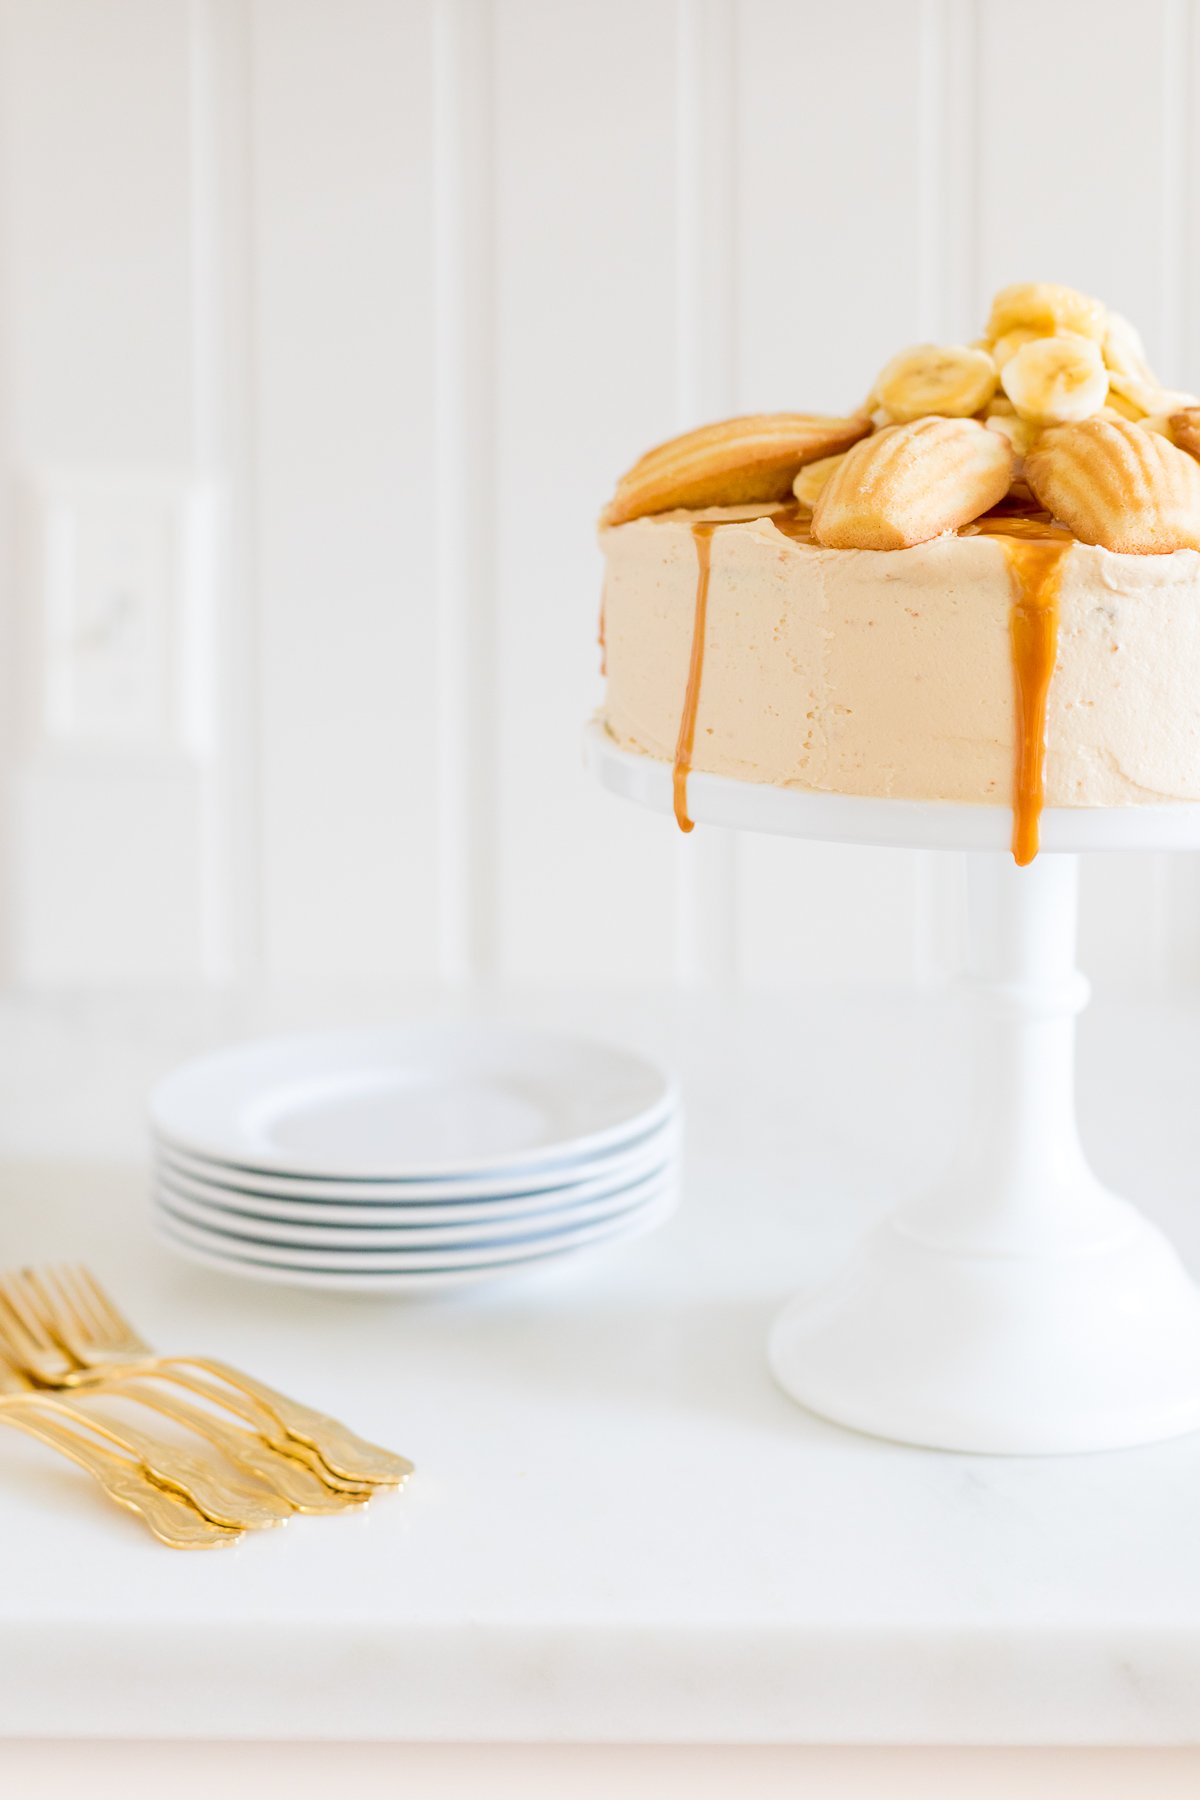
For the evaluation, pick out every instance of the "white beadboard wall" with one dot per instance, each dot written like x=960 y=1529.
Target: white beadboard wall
x=325 y=326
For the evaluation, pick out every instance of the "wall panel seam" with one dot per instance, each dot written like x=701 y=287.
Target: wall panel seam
x=1173 y=226
x=706 y=313
x=12 y=649
x=948 y=304
x=223 y=386
x=254 y=928
x=932 y=137
x=464 y=228
x=1175 y=949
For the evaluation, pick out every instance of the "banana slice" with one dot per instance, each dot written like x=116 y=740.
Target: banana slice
x=1055 y=380
x=1022 y=434
x=1006 y=347
x=811 y=479
x=1137 y=397
x=1046 y=308
x=1119 y=407
x=1124 y=351
x=951 y=381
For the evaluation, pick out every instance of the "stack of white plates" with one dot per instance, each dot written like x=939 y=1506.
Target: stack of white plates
x=410 y=1157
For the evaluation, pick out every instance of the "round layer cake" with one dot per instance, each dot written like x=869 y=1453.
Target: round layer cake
x=1000 y=606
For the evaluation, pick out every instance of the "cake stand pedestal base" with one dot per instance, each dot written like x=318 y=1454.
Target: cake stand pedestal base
x=1018 y=1307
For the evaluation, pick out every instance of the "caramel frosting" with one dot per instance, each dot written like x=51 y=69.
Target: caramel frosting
x=896 y=673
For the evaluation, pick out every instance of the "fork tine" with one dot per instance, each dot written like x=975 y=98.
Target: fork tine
x=40 y=1303
x=71 y=1311
x=48 y=1294
x=63 y=1314
x=66 y=1315
x=87 y=1304
x=15 y=1290
x=117 y=1324
x=24 y=1328
x=44 y=1302
x=13 y=1332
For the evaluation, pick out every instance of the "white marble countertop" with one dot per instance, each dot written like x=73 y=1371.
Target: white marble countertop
x=619 y=1530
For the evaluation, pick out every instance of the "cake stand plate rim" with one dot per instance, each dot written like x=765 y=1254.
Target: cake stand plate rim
x=864 y=819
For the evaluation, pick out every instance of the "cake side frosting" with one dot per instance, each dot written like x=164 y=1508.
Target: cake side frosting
x=890 y=672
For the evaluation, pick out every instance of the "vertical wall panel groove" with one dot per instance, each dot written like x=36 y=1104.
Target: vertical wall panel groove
x=344 y=415
x=464 y=352
x=1178 y=934
x=1175 y=224
x=9 y=688
x=222 y=386
x=839 y=226
x=706 y=377
x=932 y=132
x=586 y=336
x=956 y=26
x=1168 y=872
x=950 y=312
x=1188 y=195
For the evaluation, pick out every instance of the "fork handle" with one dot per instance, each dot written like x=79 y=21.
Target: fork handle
x=223 y=1502
x=342 y=1450
x=295 y=1480
x=315 y=1476
x=172 y=1521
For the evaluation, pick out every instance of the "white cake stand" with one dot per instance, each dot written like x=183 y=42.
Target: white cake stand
x=1017 y=1307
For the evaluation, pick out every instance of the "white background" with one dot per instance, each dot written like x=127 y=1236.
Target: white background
x=325 y=326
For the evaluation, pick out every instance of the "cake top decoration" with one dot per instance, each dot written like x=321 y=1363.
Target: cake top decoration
x=1054 y=414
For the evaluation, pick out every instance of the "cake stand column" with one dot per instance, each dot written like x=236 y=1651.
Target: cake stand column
x=1019 y=1182
x=1017 y=1306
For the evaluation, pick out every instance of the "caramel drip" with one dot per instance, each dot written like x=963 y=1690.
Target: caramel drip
x=1036 y=568
x=794 y=522
x=1013 y=525
x=1034 y=548
x=702 y=536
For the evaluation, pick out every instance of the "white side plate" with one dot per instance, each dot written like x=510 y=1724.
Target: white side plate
x=282 y=1271
x=398 y=1215
x=480 y=1252
x=376 y=1237
x=627 y=1162
x=415 y=1101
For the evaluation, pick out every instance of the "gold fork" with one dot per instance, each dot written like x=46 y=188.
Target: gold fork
x=300 y=1485
x=39 y=1340
x=30 y=1348
x=307 y=1488
x=77 y=1312
x=226 y=1496
x=172 y=1520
